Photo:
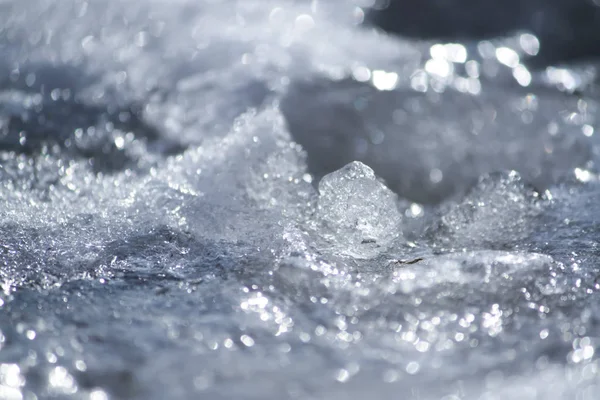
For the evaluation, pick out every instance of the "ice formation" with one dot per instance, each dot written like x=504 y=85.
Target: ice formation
x=498 y=203
x=358 y=211
x=269 y=199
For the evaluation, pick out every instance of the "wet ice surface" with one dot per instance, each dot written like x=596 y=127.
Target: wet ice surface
x=165 y=231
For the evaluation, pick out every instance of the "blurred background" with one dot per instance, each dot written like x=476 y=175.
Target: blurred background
x=457 y=117
x=569 y=29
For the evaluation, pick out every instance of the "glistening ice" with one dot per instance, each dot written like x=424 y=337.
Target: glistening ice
x=271 y=199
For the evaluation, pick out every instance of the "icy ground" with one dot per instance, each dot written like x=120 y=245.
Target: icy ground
x=165 y=232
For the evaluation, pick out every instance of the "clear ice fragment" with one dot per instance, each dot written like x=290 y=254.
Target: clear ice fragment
x=357 y=211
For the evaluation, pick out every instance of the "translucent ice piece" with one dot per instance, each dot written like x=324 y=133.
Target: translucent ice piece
x=498 y=211
x=358 y=212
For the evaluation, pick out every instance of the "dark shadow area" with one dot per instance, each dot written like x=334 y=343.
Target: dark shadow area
x=41 y=112
x=567 y=29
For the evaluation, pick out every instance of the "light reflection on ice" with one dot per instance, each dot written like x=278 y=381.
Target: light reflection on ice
x=163 y=234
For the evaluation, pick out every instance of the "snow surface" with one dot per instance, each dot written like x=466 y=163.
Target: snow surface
x=266 y=199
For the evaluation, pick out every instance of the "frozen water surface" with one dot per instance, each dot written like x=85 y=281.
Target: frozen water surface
x=270 y=199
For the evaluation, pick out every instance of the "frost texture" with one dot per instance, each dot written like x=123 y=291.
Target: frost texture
x=192 y=206
x=497 y=211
